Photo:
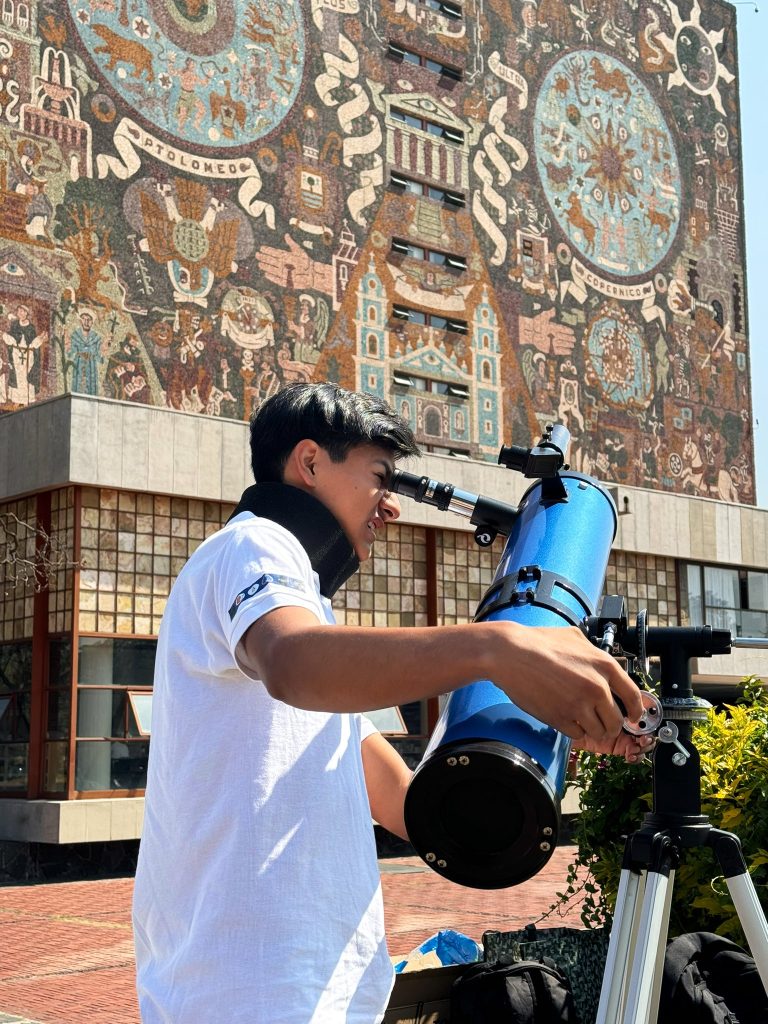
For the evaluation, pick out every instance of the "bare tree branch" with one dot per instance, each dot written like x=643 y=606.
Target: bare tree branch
x=30 y=557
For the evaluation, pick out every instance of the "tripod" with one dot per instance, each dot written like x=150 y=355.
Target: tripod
x=633 y=971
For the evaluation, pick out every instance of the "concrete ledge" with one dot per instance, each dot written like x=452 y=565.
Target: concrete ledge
x=71 y=821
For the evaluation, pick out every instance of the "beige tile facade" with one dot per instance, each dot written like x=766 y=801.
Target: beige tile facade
x=132 y=548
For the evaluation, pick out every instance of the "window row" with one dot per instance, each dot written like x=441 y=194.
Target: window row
x=417 y=316
x=434 y=387
x=435 y=256
x=725 y=598
x=402 y=53
x=449 y=8
x=401 y=182
x=424 y=124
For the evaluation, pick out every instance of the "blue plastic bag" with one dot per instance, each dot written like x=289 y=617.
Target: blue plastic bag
x=442 y=949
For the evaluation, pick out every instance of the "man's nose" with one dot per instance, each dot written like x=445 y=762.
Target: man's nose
x=389 y=506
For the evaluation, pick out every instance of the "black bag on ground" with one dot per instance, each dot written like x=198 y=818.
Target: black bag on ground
x=513 y=992
x=578 y=952
x=710 y=980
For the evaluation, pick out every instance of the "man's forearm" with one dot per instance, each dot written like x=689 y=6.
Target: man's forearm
x=555 y=675
x=348 y=668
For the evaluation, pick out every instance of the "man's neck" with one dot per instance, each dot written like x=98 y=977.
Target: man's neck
x=312 y=524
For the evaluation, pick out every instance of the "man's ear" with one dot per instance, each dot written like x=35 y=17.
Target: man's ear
x=301 y=465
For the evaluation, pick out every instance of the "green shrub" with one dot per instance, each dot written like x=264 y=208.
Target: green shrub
x=733 y=745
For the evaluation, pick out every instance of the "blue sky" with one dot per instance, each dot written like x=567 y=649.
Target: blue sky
x=753 y=90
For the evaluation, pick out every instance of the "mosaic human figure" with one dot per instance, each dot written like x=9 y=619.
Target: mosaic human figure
x=21 y=377
x=85 y=353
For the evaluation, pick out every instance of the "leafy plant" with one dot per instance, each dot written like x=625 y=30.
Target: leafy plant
x=733 y=745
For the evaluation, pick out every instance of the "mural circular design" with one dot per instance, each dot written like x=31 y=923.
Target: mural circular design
x=620 y=359
x=217 y=73
x=607 y=162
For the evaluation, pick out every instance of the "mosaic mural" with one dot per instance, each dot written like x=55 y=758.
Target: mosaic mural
x=494 y=213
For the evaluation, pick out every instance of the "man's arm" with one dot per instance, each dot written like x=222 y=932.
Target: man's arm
x=555 y=674
x=386 y=779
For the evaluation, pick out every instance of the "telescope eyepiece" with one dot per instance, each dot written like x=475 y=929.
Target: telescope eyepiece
x=544 y=460
x=421 y=488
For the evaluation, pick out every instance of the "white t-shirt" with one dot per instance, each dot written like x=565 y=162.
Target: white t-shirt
x=257 y=893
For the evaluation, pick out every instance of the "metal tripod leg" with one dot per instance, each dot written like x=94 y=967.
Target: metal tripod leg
x=638 y=941
x=752 y=920
x=648 y=962
x=632 y=980
x=635 y=961
x=620 y=946
x=727 y=849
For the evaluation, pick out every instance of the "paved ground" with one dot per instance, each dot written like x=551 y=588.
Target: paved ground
x=66 y=952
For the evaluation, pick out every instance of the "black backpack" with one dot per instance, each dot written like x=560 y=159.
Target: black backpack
x=710 y=980
x=513 y=992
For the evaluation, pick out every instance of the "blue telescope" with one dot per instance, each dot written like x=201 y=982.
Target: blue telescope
x=483 y=807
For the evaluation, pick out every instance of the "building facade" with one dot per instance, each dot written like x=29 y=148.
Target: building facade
x=495 y=214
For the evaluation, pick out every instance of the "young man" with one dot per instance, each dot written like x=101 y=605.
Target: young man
x=257 y=892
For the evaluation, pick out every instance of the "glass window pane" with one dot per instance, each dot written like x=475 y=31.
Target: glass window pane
x=134 y=662
x=15 y=667
x=55 y=767
x=60 y=662
x=13 y=765
x=721 y=587
x=723 y=618
x=754 y=624
x=691 y=596
x=387 y=720
x=106 y=765
x=110 y=662
x=100 y=712
x=757 y=589
x=59 y=707
x=141 y=706
x=14 y=722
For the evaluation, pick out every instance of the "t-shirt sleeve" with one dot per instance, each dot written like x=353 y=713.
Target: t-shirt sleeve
x=263 y=568
x=366 y=726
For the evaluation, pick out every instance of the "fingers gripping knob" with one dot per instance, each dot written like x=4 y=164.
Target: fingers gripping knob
x=650 y=720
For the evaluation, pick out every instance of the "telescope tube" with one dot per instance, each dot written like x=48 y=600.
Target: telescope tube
x=483 y=807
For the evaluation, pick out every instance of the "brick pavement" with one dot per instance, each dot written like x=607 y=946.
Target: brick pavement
x=66 y=951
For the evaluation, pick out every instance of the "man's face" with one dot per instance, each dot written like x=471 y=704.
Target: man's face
x=357 y=492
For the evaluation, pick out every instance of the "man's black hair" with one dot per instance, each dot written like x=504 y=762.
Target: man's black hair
x=336 y=419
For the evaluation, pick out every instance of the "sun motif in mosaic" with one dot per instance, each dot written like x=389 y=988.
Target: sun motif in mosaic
x=607 y=162
x=207 y=72
x=695 y=52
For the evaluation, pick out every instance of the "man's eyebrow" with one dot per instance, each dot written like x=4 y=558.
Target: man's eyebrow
x=388 y=466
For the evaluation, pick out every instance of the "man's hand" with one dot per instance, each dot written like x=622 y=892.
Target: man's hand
x=631 y=748
x=559 y=677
